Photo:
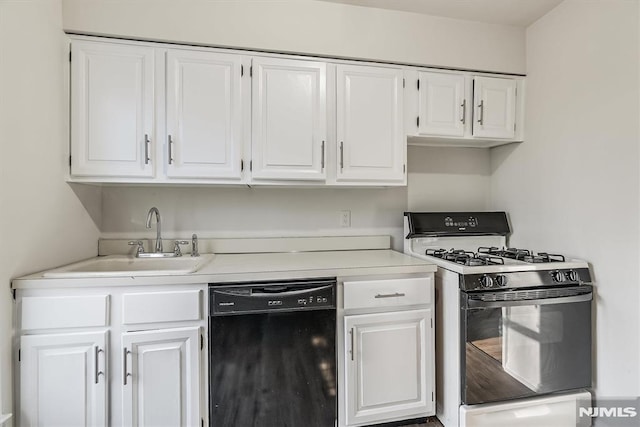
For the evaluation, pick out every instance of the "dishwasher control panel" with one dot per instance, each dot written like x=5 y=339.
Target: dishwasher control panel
x=313 y=299
x=272 y=296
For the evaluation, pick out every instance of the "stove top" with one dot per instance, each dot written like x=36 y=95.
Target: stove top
x=493 y=255
x=474 y=245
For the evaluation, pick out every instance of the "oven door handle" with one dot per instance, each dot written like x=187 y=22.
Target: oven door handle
x=471 y=304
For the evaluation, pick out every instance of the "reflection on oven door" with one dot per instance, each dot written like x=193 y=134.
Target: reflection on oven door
x=528 y=330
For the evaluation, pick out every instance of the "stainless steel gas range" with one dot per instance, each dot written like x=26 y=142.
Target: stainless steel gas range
x=513 y=326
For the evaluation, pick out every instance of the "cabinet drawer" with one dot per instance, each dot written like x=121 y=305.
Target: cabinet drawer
x=388 y=292
x=65 y=312
x=152 y=307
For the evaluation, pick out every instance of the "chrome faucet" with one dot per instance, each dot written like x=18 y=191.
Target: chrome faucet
x=158 y=226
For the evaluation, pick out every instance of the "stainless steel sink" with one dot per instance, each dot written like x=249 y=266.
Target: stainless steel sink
x=121 y=265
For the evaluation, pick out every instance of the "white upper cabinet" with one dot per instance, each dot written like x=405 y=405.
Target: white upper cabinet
x=442 y=104
x=450 y=108
x=289 y=111
x=369 y=124
x=112 y=109
x=204 y=115
x=494 y=107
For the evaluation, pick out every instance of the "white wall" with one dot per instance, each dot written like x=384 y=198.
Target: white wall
x=306 y=26
x=442 y=179
x=439 y=179
x=573 y=186
x=243 y=212
x=42 y=221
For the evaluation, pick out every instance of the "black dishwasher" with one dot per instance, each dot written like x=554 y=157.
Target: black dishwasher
x=272 y=358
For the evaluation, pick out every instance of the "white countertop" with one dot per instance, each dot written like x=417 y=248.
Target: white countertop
x=258 y=266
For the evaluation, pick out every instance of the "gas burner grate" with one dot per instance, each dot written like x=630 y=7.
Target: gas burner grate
x=521 y=254
x=460 y=256
x=513 y=253
x=543 y=257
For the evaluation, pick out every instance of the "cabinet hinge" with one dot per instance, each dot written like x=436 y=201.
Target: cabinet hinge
x=69 y=160
x=418 y=121
x=201 y=342
x=514 y=127
x=432 y=396
x=241 y=70
x=13 y=293
x=69 y=56
x=431 y=323
x=251 y=165
x=251 y=71
x=418 y=84
x=19 y=355
x=241 y=165
x=403 y=83
x=404 y=168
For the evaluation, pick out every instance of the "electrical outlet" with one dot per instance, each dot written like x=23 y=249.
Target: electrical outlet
x=345 y=218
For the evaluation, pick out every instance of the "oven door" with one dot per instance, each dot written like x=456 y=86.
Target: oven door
x=524 y=343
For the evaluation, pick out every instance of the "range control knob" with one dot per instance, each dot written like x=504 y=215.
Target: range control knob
x=501 y=280
x=557 y=276
x=486 y=281
x=572 y=275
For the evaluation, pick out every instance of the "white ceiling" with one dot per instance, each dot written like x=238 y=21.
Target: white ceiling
x=519 y=13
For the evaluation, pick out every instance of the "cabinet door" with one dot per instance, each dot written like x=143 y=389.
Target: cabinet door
x=371 y=144
x=161 y=377
x=63 y=380
x=494 y=107
x=389 y=366
x=442 y=104
x=204 y=115
x=112 y=102
x=288 y=119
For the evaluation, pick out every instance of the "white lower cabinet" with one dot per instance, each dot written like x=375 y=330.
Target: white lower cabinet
x=161 y=378
x=387 y=368
x=63 y=379
x=139 y=360
x=387 y=349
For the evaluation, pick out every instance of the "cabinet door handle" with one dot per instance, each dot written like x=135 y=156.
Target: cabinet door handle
x=170 y=149
x=125 y=353
x=341 y=155
x=352 y=343
x=481 y=115
x=147 y=159
x=464 y=111
x=322 y=155
x=98 y=372
x=396 y=294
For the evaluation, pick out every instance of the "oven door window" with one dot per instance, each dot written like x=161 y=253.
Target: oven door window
x=513 y=349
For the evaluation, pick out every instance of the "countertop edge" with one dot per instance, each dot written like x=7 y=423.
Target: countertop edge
x=208 y=275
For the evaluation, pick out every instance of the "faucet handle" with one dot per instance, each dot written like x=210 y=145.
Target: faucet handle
x=194 y=245
x=176 y=248
x=139 y=249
